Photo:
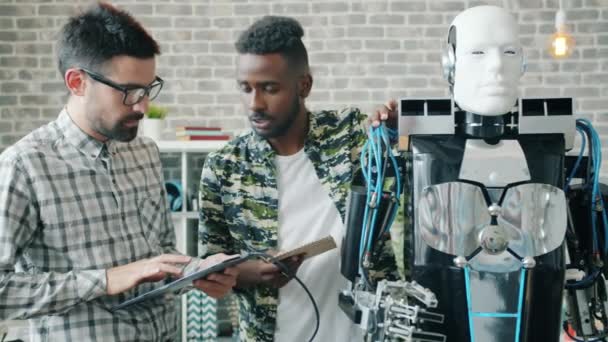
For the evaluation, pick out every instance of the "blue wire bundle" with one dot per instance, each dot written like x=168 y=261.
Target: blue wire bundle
x=588 y=134
x=586 y=130
x=375 y=157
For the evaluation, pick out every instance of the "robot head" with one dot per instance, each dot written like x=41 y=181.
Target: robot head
x=484 y=60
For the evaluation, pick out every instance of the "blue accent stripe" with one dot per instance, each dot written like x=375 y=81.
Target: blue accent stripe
x=467 y=283
x=495 y=314
x=522 y=283
x=520 y=304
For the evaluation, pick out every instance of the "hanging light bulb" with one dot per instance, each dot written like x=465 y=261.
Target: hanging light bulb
x=561 y=44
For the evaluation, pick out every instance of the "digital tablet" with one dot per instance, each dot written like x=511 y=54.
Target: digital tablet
x=185 y=281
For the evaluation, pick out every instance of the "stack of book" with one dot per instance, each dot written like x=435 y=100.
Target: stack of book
x=200 y=133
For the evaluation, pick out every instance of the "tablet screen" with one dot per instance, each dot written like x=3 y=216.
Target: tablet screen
x=185 y=281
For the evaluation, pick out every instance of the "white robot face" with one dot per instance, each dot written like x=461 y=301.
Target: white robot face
x=488 y=61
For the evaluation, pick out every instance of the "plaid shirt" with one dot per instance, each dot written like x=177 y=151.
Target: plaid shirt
x=70 y=208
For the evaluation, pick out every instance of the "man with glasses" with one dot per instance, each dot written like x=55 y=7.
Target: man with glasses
x=132 y=94
x=84 y=223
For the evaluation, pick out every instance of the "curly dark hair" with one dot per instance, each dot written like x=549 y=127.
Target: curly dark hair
x=102 y=32
x=275 y=34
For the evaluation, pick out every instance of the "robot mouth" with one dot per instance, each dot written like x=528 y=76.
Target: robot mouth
x=495 y=89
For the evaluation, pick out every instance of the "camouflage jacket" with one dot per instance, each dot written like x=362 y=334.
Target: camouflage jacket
x=239 y=201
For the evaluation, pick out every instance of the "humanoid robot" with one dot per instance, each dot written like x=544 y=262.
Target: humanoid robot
x=486 y=173
x=488 y=209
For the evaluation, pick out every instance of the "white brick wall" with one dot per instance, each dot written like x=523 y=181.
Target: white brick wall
x=362 y=52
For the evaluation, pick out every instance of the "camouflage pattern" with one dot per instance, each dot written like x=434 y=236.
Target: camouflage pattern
x=401 y=230
x=239 y=201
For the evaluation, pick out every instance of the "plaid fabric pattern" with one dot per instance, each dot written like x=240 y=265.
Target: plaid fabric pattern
x=70 y=208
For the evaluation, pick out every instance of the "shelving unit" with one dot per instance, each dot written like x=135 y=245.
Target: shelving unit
x=186 y=148
x=186 y=229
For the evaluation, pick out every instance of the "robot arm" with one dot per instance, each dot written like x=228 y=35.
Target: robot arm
x=385 y=310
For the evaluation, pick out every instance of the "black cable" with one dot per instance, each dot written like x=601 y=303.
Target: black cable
x=584 y=283
x=314 y=304
x=587 y=187
x=586 y=339
x=589 y=170
x=291 y=275
x=588 y=181
x=365 y=275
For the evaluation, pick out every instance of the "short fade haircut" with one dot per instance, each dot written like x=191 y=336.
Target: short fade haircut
x=274 y=34
x=91 y=38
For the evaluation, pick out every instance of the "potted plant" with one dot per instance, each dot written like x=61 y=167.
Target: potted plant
x=152 y=124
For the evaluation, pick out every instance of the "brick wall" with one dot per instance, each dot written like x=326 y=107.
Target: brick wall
x=362 y=52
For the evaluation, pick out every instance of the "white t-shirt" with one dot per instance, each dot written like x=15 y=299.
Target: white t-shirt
x=307 y=213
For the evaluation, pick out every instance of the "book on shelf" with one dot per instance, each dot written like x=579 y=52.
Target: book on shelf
x=184 y=133
x=203 y=137
x=197 y=128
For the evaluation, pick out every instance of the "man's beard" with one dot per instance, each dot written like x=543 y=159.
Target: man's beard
x=282 y=127
x=119 y=132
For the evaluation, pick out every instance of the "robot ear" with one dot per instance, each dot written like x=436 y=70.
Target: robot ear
x=524 y=64
x=448 y=61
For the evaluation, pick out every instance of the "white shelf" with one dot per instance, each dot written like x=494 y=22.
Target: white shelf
x=185 y=227
x=189 y=146
x=185 y=214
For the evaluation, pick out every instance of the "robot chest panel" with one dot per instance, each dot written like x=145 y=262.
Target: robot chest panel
x=494 y=165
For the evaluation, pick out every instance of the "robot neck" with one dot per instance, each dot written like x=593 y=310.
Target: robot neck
x=482 y=126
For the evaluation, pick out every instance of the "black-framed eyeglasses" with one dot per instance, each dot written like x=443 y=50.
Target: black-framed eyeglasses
x=131 y=94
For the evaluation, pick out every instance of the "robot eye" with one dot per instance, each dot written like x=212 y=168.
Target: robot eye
x=510 y=52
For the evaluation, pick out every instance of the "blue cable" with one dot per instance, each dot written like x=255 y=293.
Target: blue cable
x=377 y=187
x=373 y=164
x=582 y=126
x=578 y=160
x=367 y=167
x=597 y=149
x=387 y=134
x=398 y=188
x=596 y=194
x=585 y=126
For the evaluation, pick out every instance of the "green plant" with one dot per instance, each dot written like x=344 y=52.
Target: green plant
x=156 y=112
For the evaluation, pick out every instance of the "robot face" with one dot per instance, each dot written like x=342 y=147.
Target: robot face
x=489 y=61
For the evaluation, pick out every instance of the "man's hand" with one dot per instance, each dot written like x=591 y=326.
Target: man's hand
x=261 y=272
x=217 y=285
x=126 y=277
x=387 y=113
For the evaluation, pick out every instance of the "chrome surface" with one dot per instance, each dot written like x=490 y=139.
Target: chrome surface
x=425 y=124
x=451 y=216
x=454 y=218
x=529 y=262
x=493 y=239
x=537 y=212
x=564 y=124
x=460 y=261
